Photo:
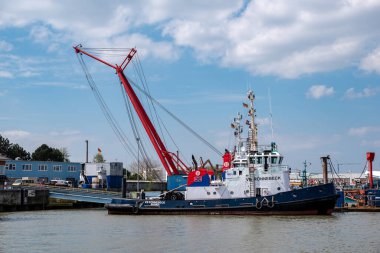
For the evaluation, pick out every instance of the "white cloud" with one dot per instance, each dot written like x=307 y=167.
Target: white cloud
x=5 y=46
x=196 y=98
x=318 y=91
x=263 y=121
x=366 y=92
x=370 y=143
x=5 y=74
x=371 y=62
x=300 y=142
x=28 y=73
x=70 y=138
x=15 y=134
x=361 y=131
x=281 y=38
x=65 y=133
x=59 y=85
x=54 y=68
x=40 y=33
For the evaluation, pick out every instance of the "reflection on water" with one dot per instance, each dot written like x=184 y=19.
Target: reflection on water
x=96 y=231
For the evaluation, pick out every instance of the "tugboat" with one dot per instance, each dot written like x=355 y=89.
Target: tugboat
x=253 y=180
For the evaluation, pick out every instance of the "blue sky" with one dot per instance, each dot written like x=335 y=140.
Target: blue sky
x=319 y=59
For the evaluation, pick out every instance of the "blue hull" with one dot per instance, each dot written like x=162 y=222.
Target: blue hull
x=319 y=199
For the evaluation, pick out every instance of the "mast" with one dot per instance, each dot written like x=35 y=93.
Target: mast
x=252 y=146
x=238 y=130
x=252 y=133
x=158 y=145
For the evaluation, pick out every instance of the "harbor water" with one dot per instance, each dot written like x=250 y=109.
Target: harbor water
x=95 y=231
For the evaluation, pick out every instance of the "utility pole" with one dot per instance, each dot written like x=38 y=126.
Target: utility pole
x=138 y=164
x=86 y=151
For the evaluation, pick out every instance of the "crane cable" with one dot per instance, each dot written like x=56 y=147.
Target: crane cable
x=107 y=113
x=365 y=166
x=112 y=121
x=121 y=50
x=178 y=120
x=137 y=135
x=160 y=122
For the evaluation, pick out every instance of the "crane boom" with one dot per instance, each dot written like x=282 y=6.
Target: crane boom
x=158 y=145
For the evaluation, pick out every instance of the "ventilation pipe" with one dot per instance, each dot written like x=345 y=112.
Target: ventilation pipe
x=324 y=168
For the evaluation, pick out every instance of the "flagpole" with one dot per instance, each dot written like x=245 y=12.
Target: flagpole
x=270 y=113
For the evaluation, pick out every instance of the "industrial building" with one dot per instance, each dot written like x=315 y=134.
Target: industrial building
x=44 y=171
x=98 y=175
x=346 y=179
x=104 y=175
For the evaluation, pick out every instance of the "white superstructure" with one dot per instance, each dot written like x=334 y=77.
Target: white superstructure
x=255 y=171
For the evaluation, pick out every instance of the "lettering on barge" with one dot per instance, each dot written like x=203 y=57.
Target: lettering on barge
x=154 y=202
x=267 y=178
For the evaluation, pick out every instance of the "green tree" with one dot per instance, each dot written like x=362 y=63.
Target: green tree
x=16 y=151
x=133 y=176
x=12 y=150
x=46 y=153
x=4 y=145
x=146 y=169
x=66 y=154
x=98 y=158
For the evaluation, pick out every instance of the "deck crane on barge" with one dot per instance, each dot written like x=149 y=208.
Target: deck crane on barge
x=171 y=162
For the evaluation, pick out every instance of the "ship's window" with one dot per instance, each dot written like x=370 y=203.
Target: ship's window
x=252 y=160
x=231 y=192
x=214 y=193
x=208 y=193
x=273 y=160
x=278 y=188
x=234 y=172
x=280 y=162
x=240 y=172
x=259 y=160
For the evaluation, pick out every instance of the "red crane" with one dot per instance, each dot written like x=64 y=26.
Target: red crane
x=166 y=157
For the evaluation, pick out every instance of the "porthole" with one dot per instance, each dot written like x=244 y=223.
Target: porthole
x=208 y=193
x=278 y=188
x=231 y=192
x=214 y=193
